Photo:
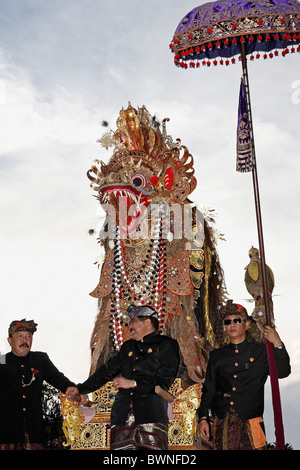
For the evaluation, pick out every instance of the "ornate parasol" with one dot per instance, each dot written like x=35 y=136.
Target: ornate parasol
x=214 y=33
x=220 y=33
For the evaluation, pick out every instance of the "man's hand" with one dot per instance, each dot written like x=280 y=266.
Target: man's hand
x=272 y=336
x=72 y=393
x=121 y=382
x=204 y=430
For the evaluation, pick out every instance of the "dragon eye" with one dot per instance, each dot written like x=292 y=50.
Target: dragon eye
x=139 y=180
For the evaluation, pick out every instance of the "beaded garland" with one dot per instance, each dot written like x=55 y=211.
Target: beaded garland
x=147 y=286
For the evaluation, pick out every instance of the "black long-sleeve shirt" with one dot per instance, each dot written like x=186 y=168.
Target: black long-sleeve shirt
x=21 y=407
x=235 y=377
x=150 y=362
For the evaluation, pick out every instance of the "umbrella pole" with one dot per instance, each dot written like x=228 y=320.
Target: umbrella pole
x=279 y=431
x=256 y=189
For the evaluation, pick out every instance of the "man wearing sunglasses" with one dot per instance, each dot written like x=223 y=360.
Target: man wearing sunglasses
x=232 y=403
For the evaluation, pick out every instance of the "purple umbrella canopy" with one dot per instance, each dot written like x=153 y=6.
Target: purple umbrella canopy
x=217 y=29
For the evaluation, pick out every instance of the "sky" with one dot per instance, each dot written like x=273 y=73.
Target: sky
x=67 y=65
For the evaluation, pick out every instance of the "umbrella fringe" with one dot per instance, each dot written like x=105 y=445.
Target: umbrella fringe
x=192 y=63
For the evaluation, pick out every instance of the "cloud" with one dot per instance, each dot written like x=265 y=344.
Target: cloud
x=32 y=120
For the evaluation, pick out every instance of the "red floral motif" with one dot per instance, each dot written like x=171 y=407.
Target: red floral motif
x=154 y=180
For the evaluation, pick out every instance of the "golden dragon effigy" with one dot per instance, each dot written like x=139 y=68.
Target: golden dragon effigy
x=159 y=249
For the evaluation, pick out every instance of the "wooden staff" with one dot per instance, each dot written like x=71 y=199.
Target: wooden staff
x=279 y=431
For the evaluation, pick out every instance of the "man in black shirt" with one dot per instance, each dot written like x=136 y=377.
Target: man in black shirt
x=22 y=373
x=139 y=417
x=233 y=391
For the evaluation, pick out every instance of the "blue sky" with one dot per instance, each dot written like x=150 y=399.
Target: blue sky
x=67 y=65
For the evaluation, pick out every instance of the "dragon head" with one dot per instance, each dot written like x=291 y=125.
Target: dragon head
x=146 y=167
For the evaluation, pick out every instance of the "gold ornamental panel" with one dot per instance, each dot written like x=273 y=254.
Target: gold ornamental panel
x=95 y=435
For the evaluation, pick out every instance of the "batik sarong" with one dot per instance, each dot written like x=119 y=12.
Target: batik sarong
x=133 y=436
x=232 y=433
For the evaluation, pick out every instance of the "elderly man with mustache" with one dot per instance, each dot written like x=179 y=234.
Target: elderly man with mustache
x=22 y=373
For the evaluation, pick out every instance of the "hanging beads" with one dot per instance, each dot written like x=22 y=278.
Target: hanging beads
x=145 y=286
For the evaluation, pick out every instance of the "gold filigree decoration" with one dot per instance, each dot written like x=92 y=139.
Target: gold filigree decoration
x=96 y=434
x=188 y=403
x=73 y=419
x=139 y=142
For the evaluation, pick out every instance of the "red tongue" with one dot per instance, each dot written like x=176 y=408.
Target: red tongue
x=127 y=201
x=129 y=218
x=144 y=201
